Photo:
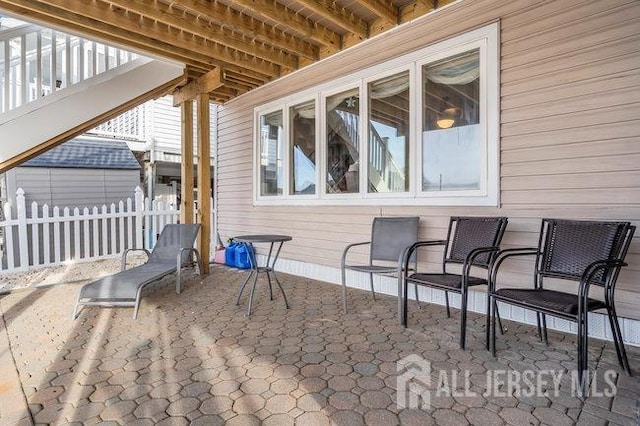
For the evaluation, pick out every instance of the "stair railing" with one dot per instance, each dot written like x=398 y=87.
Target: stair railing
x=37 y=61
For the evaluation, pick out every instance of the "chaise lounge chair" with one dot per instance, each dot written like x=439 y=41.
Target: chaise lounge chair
x=171 y=252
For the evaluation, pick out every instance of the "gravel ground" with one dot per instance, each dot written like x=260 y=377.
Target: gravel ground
x=65 y=274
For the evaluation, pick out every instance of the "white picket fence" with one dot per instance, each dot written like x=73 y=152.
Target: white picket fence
x=48 y=237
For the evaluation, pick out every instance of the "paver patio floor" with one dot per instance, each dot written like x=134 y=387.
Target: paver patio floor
x=197 y=359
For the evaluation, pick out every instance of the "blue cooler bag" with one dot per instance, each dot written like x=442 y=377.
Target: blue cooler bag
x=237 y=255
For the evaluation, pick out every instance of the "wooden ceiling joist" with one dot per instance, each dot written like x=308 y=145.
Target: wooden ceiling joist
x=224 y=15
x=273 y=10
x=252 y=42
x=177 y=19
x=96 y=10
x=338 y=15
x=385 y=9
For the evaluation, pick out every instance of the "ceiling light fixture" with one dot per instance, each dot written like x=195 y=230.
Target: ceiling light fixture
x=447 y=118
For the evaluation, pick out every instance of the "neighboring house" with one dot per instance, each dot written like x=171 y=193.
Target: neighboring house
x=83 y=172
x=153 y=132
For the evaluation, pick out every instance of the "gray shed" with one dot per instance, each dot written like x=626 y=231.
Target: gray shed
x=83 y=172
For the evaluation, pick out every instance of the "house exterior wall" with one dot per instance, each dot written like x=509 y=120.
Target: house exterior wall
x=569 y=125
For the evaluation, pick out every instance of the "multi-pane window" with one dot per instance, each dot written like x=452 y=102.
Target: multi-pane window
x=343 y=142
x=452 y=141
x=423 y=130
x=271 y=153
x=388 y=137
x=302 y=122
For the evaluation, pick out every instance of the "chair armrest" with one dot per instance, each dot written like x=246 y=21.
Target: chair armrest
x=502 y=256
x=179 y=265
x=408 y=252
x=468 y=261
x=193 y=250
x=591 y=270
x=123 y=264
x=343 y=260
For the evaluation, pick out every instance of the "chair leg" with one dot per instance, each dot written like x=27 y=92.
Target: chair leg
x=494 y=309
x=463 y=319
x=344 y=290
x=446 y=300
x=617 y=339
x=371 y=284
x=539 y=323
x=75 y=309
x=544 y=330
x=415 y=288
x=488 y=325
x=502 y=329
x=405 y=301
x=583 y=356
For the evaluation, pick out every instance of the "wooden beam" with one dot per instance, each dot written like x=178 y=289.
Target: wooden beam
x=186 y=165
x=212 y=32
x=385 y=9
x=82 y=128
x=204 y=179
x=338 y=15
x=416 y=9
x=204 y=84
x=92 y=29
x=222 y=14
x=273 y=10
x=138 y=27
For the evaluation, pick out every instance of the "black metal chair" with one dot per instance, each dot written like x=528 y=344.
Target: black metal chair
x=587 y=252
x=471 y=242
x=389 y=237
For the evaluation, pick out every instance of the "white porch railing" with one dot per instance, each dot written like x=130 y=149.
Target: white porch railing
x=36 y=61
x=46 y=237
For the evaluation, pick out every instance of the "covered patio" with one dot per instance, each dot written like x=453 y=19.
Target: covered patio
x=196 y=358
x=521 y=109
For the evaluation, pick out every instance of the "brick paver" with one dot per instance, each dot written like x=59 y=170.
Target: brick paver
x=195 y=358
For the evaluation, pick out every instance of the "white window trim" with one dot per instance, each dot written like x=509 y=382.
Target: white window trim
x=487 y=39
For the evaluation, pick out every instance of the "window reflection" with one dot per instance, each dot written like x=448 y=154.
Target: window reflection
x=343 y=160
x=389 y=134
x=303 y=148
x=451 y=138
x=271 y=153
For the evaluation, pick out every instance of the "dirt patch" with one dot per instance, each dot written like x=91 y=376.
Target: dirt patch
x=67 y=273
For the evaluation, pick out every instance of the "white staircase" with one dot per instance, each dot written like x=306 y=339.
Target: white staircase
x=54 y=86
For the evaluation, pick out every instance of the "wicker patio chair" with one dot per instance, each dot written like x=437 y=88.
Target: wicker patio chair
x=471 y=242
x=171 y=252
x=586 y=252
x=389 y=237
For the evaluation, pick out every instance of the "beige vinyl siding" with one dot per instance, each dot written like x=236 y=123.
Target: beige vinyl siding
x=569 y=124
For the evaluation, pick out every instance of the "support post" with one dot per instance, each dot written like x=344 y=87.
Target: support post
x=186 y=172
x=204 y=179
